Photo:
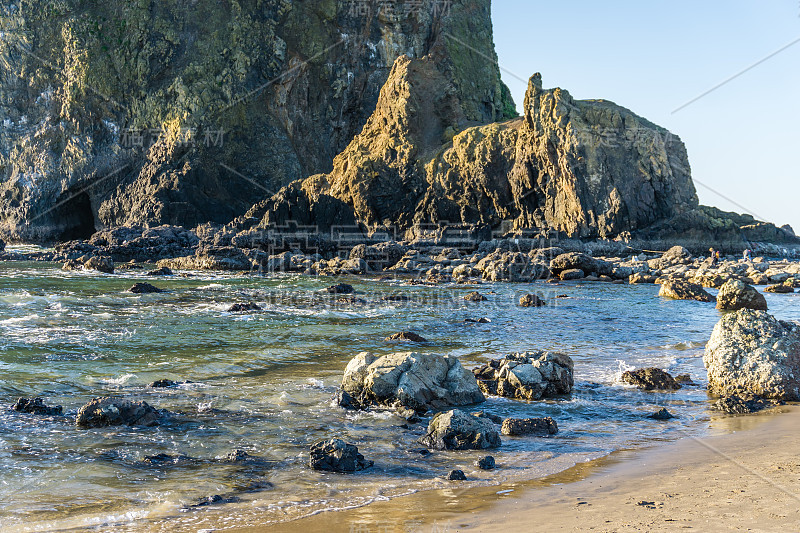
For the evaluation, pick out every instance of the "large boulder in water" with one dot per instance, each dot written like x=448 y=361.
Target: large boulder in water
x=456 y=430
x=751 y=352
x=114 y=411
x=336 y=455
x=735 y=295
x=412 y=380
x=527 y=376
x=683 y=290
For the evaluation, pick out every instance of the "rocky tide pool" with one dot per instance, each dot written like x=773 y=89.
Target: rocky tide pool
x=263 y=382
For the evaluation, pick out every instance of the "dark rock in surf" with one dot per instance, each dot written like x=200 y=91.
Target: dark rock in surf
x=517 y=427
x=36 y=406
x=406 y=336
x=487 y=463
x=340 y=288
x=336 y=455
x=650 y=379
x=661 y=414
x=162 y=384
x=456 y=475
x=115 y=411
x=144 y=288
x=244 y=307
x=475 y=297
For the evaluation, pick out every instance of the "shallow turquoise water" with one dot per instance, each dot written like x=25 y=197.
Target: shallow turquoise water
x=263 y=382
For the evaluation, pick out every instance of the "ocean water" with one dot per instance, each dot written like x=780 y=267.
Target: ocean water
x=263 y=382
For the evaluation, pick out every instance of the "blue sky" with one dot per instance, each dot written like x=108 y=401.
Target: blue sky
x=652 y=57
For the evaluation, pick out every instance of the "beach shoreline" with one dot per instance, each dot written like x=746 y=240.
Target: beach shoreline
x=747 y=479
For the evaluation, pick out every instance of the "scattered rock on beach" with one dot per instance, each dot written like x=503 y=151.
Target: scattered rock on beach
x=527 y=376
x=456 y=475
x=650 y=379
x=516 y=427
x=407 y=336
x=115 y=411
x=684 y=290
x=335 y=455
x=36 y=406
x=735 y=295
x=531 y=300
x=456 y=430
x=414 y=380
x=752 y=352
x=144 y=288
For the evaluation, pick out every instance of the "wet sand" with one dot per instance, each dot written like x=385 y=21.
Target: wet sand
x=745 y=480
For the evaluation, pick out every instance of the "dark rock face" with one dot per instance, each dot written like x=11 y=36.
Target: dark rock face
x=683 y=290
x=407 y=336
x=336 y=455
x=650 y=379
x=114 y=411
x=527 y=376
x=735 y=295
x=516 y=427
x=456 y=430
x=36 y=406
x=196 y=111
x=144 y=288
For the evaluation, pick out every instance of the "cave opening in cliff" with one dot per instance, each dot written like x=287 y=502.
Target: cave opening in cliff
x=74 y=214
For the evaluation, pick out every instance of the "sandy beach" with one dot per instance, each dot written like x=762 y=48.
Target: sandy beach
x=745 y=480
